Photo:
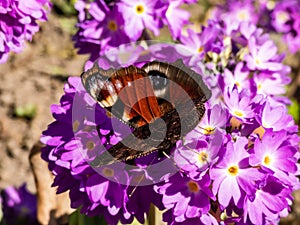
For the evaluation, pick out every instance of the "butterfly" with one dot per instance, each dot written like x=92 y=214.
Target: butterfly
x=160 y=101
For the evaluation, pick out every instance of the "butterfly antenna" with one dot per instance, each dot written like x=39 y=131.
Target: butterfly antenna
x=193 y=150
x=135 y=187
x=175 y=164
x=140 y=180
x=165 y=154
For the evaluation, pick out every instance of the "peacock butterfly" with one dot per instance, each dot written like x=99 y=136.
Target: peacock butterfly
x=143 y=98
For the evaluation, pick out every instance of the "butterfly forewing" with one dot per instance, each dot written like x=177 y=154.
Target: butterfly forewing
x=177 y=72
x=127 y=93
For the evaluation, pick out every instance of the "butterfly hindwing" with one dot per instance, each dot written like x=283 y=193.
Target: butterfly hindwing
x=142 y=142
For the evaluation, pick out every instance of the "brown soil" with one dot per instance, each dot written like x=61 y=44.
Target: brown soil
x=33 y=78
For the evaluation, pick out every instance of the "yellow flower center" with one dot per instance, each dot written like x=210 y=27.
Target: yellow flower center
x=202 y=157
x=243 y=15
x=75 y=125
x=238 y=113
x=209 y=130
x=200 y=49
x=193 y=186
x=257 y=62
x=270 y=4
x=90 y=145
x=112 y=25
x=282 y=17
x=259 y=86
x=108 y=172
x=87 y=6
x=267 y=160
x=139 y=9
x=265 y=125
x=233 y=170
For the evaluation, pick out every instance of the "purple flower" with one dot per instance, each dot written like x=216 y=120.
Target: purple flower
x=293 y=41
x=81 y=132
x=267 y=202
x=239 y=105
x=270 y=84
x=262 y=56
x=221 y=170
x=125 y=55
x=146 y=196
x=197 y=155
x=285 y=18
x=215 y=119
x=197 y=44
x=175 y=18
x=281 y=17
x=232 y=176
x=81 y=7
x=88 y=37
x=103 y=26
x=19 y=206
x=113 y=29
x=239 y=78
x=99 y=191
x=242 y=11
x=139 y=15
x=276 y=118
x=274 y=153
x=186 y=197
x=18 y=23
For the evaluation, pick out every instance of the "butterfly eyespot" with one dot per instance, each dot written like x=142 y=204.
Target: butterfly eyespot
x=158 y=81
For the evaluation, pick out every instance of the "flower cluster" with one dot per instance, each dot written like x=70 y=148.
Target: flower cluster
x=279 y=16
x=102 y=26
x=256 y=160
x=230 y=166
x=18 y=23
x=239 y=165
x=285 y=19
x=19 y=206
x=72 y=140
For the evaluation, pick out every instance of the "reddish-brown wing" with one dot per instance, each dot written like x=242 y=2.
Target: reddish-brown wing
x=127 y=93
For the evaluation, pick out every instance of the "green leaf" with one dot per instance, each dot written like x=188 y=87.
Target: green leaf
x=77 y=218
x=65 y=7
x=28 y=111
x=294 y=110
